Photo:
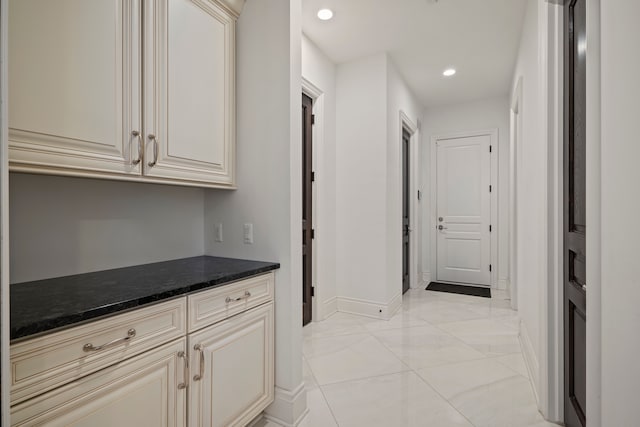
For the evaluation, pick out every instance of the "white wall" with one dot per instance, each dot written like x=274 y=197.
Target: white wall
x=62 y=226
x=531 y=189
x=321 y=72
x=473 y=116
x=400 y=98
x=370 y=96
x=620 y=92
x=269 y=177
x=361 y=163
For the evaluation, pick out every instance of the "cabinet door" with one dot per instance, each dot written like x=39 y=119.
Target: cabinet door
x=74 y=77
x=189 y=91
x=141 y=391
x=235 y=361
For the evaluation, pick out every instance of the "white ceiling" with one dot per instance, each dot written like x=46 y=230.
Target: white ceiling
x=479 y=38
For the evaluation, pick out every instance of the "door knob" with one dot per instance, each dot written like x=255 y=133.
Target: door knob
x=440 y=219
x=442 y=227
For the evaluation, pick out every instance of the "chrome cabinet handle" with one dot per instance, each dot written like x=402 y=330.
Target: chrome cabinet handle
x=199 y=375
x=137 y=135
x=246 y=295
x=185 y=384
x=90 y=347
x=155 y=150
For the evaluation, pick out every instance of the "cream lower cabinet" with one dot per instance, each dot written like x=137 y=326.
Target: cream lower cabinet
x=232 y=366
x=142 y=391
x=138 y=90
x=205 y=360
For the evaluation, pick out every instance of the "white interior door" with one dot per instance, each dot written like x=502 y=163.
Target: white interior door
x=464 y=210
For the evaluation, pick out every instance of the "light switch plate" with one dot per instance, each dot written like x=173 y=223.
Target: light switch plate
x=248 y=233
x=218 y=232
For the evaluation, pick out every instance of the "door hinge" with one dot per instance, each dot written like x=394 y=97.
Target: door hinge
x=490 y=148
x=313 y=291
x=313 y=233
x=489 y=267
x=313 y=176
x=313 y=119
x=490 y=188
x=489 y=229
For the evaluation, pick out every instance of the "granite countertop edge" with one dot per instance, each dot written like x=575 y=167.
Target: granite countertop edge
x=54 y=324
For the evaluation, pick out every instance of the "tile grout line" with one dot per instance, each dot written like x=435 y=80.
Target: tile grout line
x=324 y=397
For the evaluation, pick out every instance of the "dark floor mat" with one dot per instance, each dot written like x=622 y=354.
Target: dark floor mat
x=460 y=289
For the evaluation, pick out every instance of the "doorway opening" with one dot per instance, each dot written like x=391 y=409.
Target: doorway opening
x=574 y=253
x=406 y=209
x=307 y=209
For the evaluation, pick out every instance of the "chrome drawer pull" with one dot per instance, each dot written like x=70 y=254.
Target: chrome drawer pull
x=246 y=295
x=136 y=134
x=199 y=349
x=185 y=384
x=155 y=150
x=89 y=347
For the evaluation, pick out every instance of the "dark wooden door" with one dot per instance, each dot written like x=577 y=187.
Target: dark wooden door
x=307 y=208
x=405 y=210
x=575 y=285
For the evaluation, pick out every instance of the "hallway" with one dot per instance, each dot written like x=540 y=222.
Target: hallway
x=443 y=360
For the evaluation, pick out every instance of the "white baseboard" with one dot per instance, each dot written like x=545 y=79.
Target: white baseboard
x=330 y=307
x=374 y=309
x=531 y=360
x=503 y=284
x=289 y=407
x=395 y=304
x=426 y=277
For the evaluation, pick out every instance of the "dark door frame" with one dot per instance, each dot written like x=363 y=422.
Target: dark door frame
x=406 y=209
x=307 y=209
x=574 y=251
x=411 y=128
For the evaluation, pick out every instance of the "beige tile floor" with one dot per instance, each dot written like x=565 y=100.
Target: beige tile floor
x=443 y=360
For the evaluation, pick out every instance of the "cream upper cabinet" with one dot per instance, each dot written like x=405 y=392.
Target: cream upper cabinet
x=139 y=90
x=189 y=121
x=74 y=81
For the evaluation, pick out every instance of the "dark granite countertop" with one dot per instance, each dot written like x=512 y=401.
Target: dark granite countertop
x=44 y=305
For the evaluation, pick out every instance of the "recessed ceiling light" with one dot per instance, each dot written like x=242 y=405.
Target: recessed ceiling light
x=449 y=72
x=325 y=14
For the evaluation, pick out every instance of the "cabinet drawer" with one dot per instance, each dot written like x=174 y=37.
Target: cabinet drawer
x=208 y=307
x=141 y=391
x=41 y=364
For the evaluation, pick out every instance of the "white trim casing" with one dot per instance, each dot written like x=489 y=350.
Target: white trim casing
x=594 y=228
x=514 y=161
x=4 y=219
x=317 y=95
x=551 y=361
x=330 y=307
x=494 y=134
x=426 y=278
x=414 y=220
x=289 y=407
x=529 y=354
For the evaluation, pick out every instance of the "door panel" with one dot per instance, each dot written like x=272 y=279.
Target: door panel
x=464 y=210
x=190 y=62
x=307 y=209
x=575 y=283
x=406 y=209
x=74 y=74
x=235 y=363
